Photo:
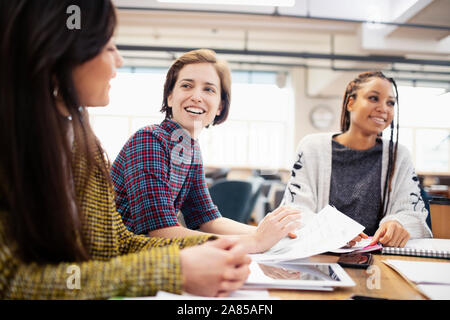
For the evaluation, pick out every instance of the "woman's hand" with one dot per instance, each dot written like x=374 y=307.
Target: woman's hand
x=214 y=268
x=276 y=225
x=391 y=234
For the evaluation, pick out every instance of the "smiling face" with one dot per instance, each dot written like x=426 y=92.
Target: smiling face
x=373 y=108
x=196 y=97
x=91 y=79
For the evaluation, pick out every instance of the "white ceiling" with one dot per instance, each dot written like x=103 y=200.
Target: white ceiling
x=308 y=34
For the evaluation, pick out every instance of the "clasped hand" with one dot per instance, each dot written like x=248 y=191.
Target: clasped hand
x=214 y=268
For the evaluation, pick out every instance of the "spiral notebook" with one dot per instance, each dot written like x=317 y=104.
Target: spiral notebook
x=432 y=248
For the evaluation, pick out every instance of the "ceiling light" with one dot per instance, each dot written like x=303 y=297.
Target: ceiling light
x=272 y=3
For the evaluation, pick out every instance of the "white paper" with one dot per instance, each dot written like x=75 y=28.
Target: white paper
x=422 y=272
x=235 y=295
x=238 y=294
x=435 y=291
x=429 y=244
x=328 y=230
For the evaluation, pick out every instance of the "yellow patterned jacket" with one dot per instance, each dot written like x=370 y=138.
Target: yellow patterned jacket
x=121 y=263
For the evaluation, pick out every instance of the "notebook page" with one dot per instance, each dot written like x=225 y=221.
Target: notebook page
x=429 y=244
x=422 y=272
x=435 y=291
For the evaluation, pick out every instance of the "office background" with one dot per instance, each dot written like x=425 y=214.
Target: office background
x=290 y=66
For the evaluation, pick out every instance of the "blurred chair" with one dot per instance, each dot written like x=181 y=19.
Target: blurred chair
x=265 y=188
x=257 y=184
x=279 y=194
x=212 y=175
x=440 y=217
x=276 y=194
x=265 y=193
x=235 y=198
x=216 y=174
x=267 y=174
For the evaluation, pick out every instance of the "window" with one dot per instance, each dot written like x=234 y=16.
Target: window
x=425 y=127
x=257 y=134
x=135 y=100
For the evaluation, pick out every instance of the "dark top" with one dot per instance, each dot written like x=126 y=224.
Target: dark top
x=355 y=186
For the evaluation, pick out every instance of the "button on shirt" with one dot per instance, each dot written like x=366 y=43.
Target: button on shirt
x=158 y=172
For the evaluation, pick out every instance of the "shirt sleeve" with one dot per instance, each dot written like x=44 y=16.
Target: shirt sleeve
x=198 y=207
x=145 y=173
x=301 y=185
x=133 y=243
x=141 y=266
x=137 y=274
x=406 y=204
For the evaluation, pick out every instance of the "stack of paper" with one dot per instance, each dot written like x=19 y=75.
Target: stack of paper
x=235 y=295
x=432 y=278
x=326 y=231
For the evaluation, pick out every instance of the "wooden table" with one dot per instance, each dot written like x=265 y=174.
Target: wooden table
x=390 y=286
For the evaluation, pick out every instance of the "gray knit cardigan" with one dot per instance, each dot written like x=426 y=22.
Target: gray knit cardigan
x=309 y=185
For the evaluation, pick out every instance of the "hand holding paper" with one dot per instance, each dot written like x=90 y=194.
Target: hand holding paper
x=327 y=230
x=391 y=234
x=275 y=226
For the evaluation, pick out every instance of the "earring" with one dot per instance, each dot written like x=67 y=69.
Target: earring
x=55 y=92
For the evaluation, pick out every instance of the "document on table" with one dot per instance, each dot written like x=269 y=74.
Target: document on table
x=432 y=278
x=235 y=295
x=422 y=272
x=435 y=291
x=327 y=230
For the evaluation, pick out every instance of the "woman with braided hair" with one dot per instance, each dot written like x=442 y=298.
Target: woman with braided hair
x=370 y=179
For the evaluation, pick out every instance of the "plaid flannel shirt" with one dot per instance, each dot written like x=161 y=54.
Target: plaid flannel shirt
x=158 y=172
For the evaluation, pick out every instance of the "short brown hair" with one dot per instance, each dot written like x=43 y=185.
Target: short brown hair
x=200 y=56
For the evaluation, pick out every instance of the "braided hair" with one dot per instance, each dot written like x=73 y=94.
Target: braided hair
x=351 y=92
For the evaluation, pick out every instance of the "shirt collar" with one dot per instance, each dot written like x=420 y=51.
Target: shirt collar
x=170 y=126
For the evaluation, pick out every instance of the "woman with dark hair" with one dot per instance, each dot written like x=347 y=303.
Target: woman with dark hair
x=159 y=171
x=370 y=179
x=60 y=233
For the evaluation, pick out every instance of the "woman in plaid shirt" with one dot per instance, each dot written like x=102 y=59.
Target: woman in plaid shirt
x=159 y=170
x=60 y=234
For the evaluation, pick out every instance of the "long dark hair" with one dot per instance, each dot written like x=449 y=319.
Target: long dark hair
x=38 y=51
x=351 y=92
